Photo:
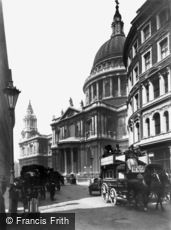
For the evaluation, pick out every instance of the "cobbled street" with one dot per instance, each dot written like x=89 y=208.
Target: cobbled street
x=93 y=213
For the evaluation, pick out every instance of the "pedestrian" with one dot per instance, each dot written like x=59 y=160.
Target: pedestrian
x=33 y=201
x=2 y=205
x=52 y=190
x=14 y=198
x=43 y=193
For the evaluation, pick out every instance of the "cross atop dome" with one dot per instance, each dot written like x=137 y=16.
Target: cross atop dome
x=117 y=2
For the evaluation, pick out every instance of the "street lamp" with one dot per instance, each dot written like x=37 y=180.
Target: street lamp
x=12 y=94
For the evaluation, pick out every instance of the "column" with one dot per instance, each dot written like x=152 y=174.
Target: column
x=65 y=162
x=81 y=128
x=95 y=125
x=133 y=130
x=144 y=96
x=97 y=90
x=152 y=126
x=72 y=160
x=103 y=88
x=119 y=87
x=92 y=131
x=102 y=125
x=162 y=123
x=161 y=84
x=145 y=129
x=110 y=87
x=92 y=94
x=130 y=134
x=53 y=136
x=169 y=79
x=151 y=91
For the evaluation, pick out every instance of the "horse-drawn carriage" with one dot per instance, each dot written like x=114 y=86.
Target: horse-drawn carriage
x=33 y=182
x=127 y=175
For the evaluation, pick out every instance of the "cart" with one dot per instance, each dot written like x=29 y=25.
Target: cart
x=117 y=171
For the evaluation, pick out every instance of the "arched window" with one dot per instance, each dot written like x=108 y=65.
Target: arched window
x=166 y=116
x=148 y=126
x=165 y=76
x=157 y=123
x=138 y=131
x=156 y=87
x=107 y=87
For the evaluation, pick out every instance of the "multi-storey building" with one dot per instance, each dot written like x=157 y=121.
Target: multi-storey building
x=79 y=136
x=147 y=56
x=35 y=148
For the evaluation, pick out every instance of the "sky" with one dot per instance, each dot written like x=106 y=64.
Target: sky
x=51 y=46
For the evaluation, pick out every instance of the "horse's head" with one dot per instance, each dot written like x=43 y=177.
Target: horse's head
x=156 y=177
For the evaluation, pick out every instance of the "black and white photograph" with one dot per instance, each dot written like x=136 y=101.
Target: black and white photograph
x=85 y=114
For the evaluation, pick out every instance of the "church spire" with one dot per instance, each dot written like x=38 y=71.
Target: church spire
x=29 y=108
x=117 y=24
x=30 y=123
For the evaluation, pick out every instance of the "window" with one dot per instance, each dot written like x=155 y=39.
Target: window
x=135 y=48
x=123 y=86
x=157 y=123
x=163 y=48
x=156 y=87
x=165 y=77
x=136 y=72
x=90 y=95
x=148 y=127
x=136 y=102
x=146 y=33
x=94 y=92
x=146 y=61
x=162 y=18
x=147 y=92
x=138 y=131
x=107 y=87
x=166 y=115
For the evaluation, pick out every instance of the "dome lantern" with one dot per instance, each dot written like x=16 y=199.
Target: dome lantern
x=117 y=24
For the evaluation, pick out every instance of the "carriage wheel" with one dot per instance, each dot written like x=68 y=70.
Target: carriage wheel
x=104 y=193
x=113 y=196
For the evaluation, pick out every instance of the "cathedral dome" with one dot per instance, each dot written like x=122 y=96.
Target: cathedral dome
x=114 y=46
x=110 y=49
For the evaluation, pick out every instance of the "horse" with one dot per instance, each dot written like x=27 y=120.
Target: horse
x=154 y=181
x=157 y=182
x=137 y=190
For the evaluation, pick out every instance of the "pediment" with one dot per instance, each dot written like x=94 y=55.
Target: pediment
x=70 y=112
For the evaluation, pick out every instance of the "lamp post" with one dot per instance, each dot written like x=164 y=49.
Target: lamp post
x=12 y=94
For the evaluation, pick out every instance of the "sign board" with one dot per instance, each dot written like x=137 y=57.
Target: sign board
x=107 y=160
x=138 y=168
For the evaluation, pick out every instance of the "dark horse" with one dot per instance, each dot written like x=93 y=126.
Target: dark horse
x=153 y=181
x=157 y=181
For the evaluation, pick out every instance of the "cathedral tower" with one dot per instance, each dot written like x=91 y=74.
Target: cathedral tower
x=30 y=123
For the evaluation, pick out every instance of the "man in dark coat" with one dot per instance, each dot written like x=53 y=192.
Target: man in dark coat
x=14 y=198
x=52 y=190
x=2 y=205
